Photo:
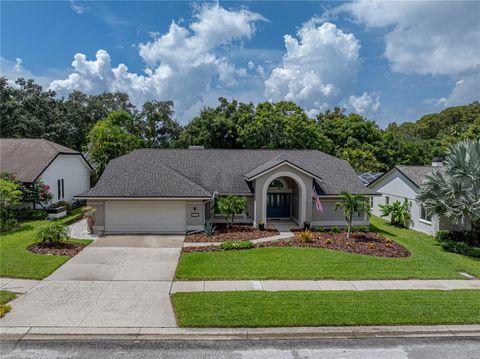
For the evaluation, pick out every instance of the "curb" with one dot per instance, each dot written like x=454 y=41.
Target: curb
x=87 y=333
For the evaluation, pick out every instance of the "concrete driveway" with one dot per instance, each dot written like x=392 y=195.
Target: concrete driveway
x=117 y=281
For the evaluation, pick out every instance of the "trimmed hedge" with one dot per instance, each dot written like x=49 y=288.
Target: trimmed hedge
x=460 y=248
x=235 y=245
x=30 y=214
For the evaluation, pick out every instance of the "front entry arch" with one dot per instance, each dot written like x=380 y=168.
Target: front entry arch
x=302 y=205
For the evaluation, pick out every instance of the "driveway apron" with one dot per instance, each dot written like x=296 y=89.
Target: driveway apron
x=117 y=281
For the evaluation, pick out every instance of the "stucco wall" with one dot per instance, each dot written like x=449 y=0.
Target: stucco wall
x=329 y=217
x=284 y=170
x=397 y=187
x=75 y=173
x=295 y=201
x=195 y=215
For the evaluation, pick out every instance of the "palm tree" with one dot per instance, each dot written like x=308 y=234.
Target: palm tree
x=352 y=204
x=455 y=193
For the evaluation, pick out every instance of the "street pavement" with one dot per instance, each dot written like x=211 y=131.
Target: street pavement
x=398 y=348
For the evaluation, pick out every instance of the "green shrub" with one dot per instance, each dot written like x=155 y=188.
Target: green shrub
x=235 y=245
x=52 y=234
x=361 y=228
x=61 y=204
x=305 y=236
x=4 y=309
x=460 y=248
x=30 y=214
x=455 y=236
x=209 y=229
x=320 y=229
x=335 y=229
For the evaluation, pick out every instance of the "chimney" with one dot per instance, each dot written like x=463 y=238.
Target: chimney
x=196 y=147
x=437 y=162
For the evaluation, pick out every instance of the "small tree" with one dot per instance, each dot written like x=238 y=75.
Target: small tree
x=229 y=206
x=352 y=204
x=455 y=193
x=10 y=196
x=399 y=213
x=37 y=192
x=52 y=234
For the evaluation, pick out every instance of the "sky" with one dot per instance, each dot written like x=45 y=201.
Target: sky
x=387 y=60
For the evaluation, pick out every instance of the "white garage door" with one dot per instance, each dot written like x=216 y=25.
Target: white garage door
x=145 y=216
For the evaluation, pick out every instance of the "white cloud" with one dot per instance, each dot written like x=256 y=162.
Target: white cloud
x=428 y=38
x=78 y=7
x=15 y=69
x=318 y=68
x=438 y=38
x=466 y=90
x=365 y=104
x=182 y=64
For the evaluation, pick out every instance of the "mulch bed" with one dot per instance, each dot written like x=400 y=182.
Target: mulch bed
x=63 y=249
x=371 y=244
x=239 y=232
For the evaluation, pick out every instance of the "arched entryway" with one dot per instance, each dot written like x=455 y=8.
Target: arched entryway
x=284 y=197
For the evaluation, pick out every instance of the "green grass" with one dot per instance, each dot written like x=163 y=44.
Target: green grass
x=329 y=308
x=6 y=296
x=17 y=262
x=428 y=261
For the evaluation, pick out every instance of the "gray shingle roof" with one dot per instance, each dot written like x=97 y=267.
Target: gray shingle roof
x=148 y=172
x=28 y=158
x=417 y=174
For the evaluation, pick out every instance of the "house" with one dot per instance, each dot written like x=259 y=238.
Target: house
x=404 y=182
x=64 y=170
x=173 y=190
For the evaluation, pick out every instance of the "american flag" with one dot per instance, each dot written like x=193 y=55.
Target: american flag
x=318 y=204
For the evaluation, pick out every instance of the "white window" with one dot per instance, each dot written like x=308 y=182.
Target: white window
x=60 y=189
x=424 y=215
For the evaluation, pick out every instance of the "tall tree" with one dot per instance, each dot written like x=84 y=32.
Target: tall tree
x=159 y=128
x=109 y=139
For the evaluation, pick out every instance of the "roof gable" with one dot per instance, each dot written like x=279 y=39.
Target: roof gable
x=28 y=158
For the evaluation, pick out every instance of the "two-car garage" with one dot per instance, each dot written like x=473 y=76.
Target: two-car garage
x=145 y=216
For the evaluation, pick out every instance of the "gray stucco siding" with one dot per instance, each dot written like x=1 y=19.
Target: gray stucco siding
x=287 y=171
x=329 y=217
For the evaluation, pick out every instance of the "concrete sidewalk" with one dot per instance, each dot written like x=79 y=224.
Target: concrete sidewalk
x=20 y=286
x=154 y=333
x=353 y=285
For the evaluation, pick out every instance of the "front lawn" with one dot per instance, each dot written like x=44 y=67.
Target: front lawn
x=17 y=262
x=329 y=308
x=428 y=261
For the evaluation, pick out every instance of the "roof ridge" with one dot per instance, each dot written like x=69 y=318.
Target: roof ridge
x=185 y=177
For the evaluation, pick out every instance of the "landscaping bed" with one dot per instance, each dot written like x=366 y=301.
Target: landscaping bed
x=371 y=244
x=63 y=249
x=239 y=232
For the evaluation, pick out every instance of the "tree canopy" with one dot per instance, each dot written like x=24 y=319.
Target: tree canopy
x=29 y=111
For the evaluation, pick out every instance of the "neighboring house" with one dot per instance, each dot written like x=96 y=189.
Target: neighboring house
x=169 y=190
x=404 y=182
x=368 y=177
x=64 y=170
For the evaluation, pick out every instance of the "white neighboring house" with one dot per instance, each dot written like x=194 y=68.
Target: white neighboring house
x=64 y=170
x=404 y=182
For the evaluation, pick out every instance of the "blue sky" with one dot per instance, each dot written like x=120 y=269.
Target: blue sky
x=390 y=61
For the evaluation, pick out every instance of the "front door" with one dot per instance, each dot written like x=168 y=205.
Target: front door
x=278 y=205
